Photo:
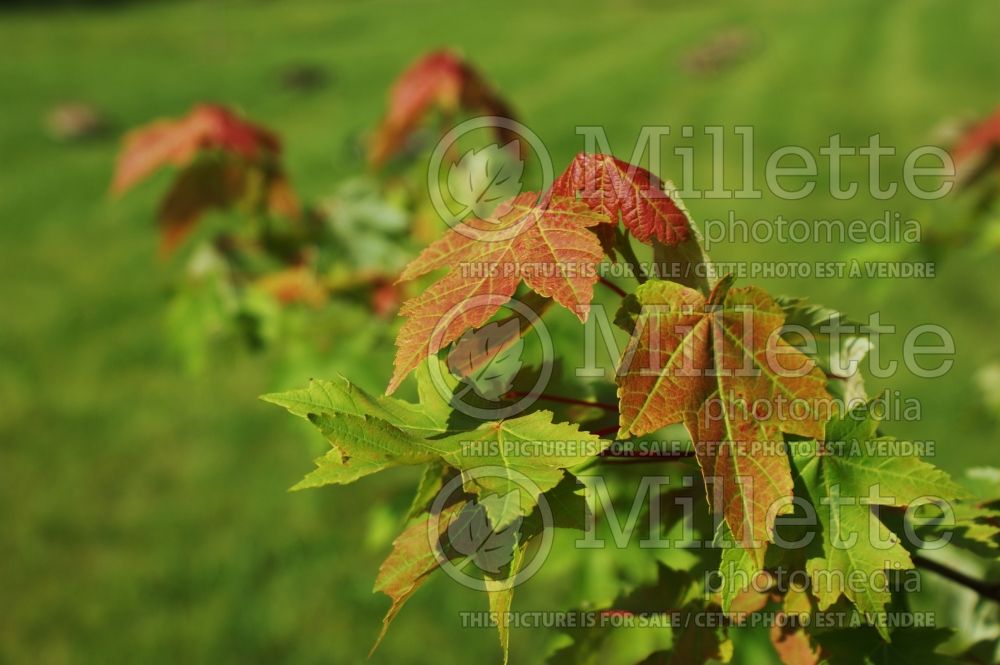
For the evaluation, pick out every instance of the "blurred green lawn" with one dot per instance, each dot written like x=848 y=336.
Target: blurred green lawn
x=144 y=514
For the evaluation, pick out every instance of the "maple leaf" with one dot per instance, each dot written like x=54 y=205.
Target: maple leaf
x=838 y=477
x=547 y=245
x=978 y=149
x=789 y=637
x=442 y=80
x=720 y=366
x=370 y=434
x=177 y=142
x=414 y=556
x=616 y=188
x=851 y=646
x=416 y=553
x=837 y=344
x=246 y=168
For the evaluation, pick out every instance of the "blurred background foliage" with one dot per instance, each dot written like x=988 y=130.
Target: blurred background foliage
x=143 y=504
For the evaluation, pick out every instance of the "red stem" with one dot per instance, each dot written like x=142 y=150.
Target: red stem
x=611 y=285
x=568 y=400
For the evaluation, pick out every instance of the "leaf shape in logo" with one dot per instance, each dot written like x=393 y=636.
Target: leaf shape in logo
x=485 y=361
x=546 y=244
x=484 y=178
x=472 y=535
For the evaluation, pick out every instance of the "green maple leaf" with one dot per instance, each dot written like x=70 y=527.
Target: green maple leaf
x=851 y=646
x=976 y=525
x=736 y=568
x=369 y=434
x=838 y=477
x=415 y=555
x=836 y=343
x=429 y=417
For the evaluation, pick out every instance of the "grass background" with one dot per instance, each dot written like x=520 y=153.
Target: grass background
x=143 y=513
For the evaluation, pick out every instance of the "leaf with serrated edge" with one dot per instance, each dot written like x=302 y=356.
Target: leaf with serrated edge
x=412 y=559
x=547 y=245
x=369 y=434
x=791 y=640
x=736 y=568
x=710 y=363
x=613 y=187
x=838 y=477
x=430 y=416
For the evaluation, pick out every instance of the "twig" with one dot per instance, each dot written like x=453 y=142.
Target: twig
x=985 y=589
x=568 y=400
x=611 y=285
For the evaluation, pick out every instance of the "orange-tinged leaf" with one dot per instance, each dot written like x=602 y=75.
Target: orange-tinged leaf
x=790 y=638
x=442 y=80
x=613 y=187
x=206 y=185
x=977 y=141
x=547 y=245
x=281 y=198
x=414 y=556
x=177 y=142
x=720 y=366
x=298 y=284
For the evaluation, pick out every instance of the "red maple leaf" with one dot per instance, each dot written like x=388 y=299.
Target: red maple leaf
x=205 y=184
x=442 y=80
x=548 y=245
x=177 y=142
x=616 y=188
x=720 y=366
